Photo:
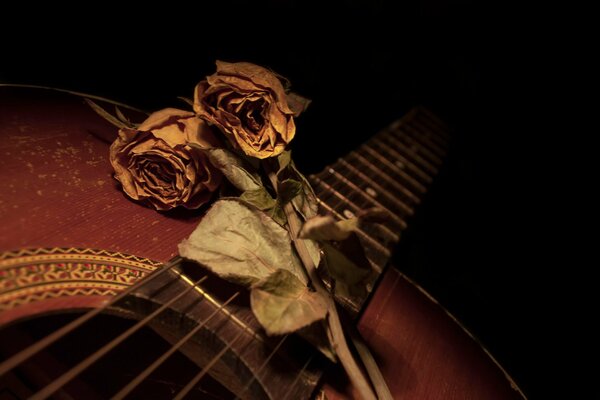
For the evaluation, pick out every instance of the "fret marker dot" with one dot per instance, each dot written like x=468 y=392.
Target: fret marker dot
x=399 y=164
x=371 y=192
x=348 y=214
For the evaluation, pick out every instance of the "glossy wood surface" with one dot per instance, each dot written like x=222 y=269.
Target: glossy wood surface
x=57 y=191
x=422 y=352
x=57 y=185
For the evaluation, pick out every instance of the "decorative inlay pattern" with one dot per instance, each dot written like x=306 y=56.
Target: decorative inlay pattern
x=35 y=275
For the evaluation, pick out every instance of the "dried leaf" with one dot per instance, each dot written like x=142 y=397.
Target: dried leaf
x=278 y=214
x=306 y=203
x=123 y=118
x=327 y=228
x=314 y=250
x=288 y=189
x=259 y=198
x=297 y=103
x=105 y=114
x=242 y=244
x=283 y=304
x=284 y=160
x=341 y=268
x=317 y=335
x=236 y=170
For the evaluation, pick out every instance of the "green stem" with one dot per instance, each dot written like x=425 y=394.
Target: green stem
x=359 y=381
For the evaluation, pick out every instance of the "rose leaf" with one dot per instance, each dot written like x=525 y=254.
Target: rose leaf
x=327 y=228
x=297 y=103
x=238 y=172
x=284 y=160
x=283 y=304
x=288 y=189
x=317 y=335
x=306 y=203
x=105 y=114
x=123 y=118
x=341 y=268
x=278 y=214
x=259 y=198
x=242 y=244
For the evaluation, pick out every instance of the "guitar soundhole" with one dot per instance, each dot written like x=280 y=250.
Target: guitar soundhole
x=105 y=377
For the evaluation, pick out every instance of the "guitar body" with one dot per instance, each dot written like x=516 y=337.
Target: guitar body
x=71 y=241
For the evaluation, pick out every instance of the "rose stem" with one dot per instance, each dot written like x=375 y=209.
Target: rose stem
x=339 y=340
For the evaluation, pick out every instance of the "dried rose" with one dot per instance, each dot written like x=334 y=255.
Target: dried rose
x=156 y=164
x=249 y=105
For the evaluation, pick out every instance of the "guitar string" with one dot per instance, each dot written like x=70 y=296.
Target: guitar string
x=22 y=356
x=295 y=381
x=350 y=175
x=194 y=381
x=160 y=360
x=265 y=362
x=41 y=344
x=82 y=365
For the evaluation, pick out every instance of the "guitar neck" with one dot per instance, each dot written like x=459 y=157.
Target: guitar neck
x=391 y=171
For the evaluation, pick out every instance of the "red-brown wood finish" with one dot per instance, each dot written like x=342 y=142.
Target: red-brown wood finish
x=57 y=190
x=422 y=352
x=57 y=185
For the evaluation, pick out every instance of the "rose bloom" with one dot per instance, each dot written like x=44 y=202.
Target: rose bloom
x=156 y=164
x=249 y=105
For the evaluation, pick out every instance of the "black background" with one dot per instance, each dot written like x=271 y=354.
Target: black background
x=494 y=240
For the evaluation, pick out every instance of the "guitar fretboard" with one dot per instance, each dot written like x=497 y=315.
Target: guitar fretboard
x=391 y=171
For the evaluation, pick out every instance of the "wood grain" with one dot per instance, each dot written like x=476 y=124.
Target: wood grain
x=57 y=185
x=422 y=352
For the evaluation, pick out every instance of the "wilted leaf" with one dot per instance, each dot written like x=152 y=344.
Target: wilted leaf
x=341 y=268
x=237 y=171
x=259 y=198
x=242 y=244
x=350 y=278
x=284 y=160
x=278 y=214
x=325 y=227
x=317 y=335
x=283 y=304
x=297 y=103
x=123 y=118
x=314 y=250
x=288 y=189
x=306 y=203
x=105 y=114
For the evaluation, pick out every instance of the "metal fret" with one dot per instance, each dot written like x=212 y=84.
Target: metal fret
x=420 y=149
x=421 y=136
x=412 y=152
x=430 y=117
x=417 y=185
x=401 y=189
x=379 y=189
x=404 y=160
x=368 y=197
x=391 y=171
x=391 y=236
x=433 y=127
x=430 y=131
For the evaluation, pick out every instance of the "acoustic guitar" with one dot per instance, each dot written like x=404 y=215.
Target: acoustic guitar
x=95 y=303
